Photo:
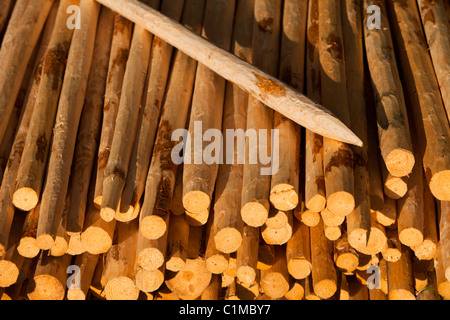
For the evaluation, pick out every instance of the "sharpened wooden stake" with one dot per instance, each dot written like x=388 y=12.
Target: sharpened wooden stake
x=270 y=91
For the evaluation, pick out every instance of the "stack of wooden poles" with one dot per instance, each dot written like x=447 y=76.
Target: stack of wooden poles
x=92 y=205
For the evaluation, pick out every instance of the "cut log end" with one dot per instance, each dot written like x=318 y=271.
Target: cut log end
x=8 y=273
x=246 y=274
x=150 y=258
x=107 y=214
x=341 y=203
x=325 y=289
x=401 y=294
x=317 y=203
x=192 y=280
x=275 y=285
x=217 y=263
x=358 y=240
x=395 y=187
x=60 y=247
x=310 y=218
x=149 y=280
x=228 y=240
x=46 y=287
x=196 y=202
x=45 y=242
x=277 y=236
x=440 y=185
x=75 y=246
x=347 y=261
x=152 y=227
x=410 y=237
x=332 y=233
x=299 y=268
x=121 y=288
x=98 y=202
x=128 y=213
x=284 y=197
x=75 y=294
x=400 y=162
x=28 y=247
x=444 y=289
x=197 y=219
x=392 y=254
x=25 y=199
x=175 y=264
x=96 y=240
x=254 y=214
x=426 y=251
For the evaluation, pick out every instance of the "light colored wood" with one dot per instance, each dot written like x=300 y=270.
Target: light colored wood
x=394 y=187
x=247 y=255
x=161 y=55
x=162 y=174
x=87 y=263
x=315 y=196
x=387 y=214
x=400 y=281
x=278 y=227
x=255 y=203
x=298 y=252
x=199 y=175
x=30 y=176
x=90 y=125
x=430 y=292
x=345 y=257
x=272 y=92
x=332 y=233
x=296 y=291
x=228 y=224
x=211 y=293
x=17 y=47
x=275 y=280
x=308 y=217
x=151 y=254
x=392 y=119
x=75 y=247
x=9 y=176
x=330 y=219
x=49 y=280
x=338 y=157
x=392 y=250
x=444 y=236
x=116 y=169
x=66 y=124
x=443 y=284
x=285 y=183
x=178 y=241
x=437 y=32
x=216 y=261
x=433 y=132
x=27 y=246
x=120 y=49
x=323 y=270
x=118 y=273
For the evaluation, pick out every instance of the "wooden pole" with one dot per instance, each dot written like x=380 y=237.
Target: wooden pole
x=298 y=252
x=444 y=236
x=17 y=46
x=394 y=187
x=216 y=261
x=199 y=175
x=247 y=255
x=278 y=227
x=151 y=254
x=437 y=30
x=442 y=281
x=392 y=250
x=148 y=124
x=120 y=48
x=87 y=263
x=27 y=246
x=66 y=124
x=126 y=123
x=387 y=215
x=308 y=217
x=162 y=174
x=400 y=280
x=89 y=128
x=392 y=119
x=338 y=157
x=275 y=280
x=177 y=243
x=259 y=84
x=426 y=106
x=345 y=257
x=32 y=167
x=256 y=186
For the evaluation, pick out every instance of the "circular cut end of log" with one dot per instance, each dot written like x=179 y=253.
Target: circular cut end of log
x=46 y=287
x=386 y=216
x=275 y=285
x=197 y=219
x=410 y=237
x=310 y=218
x=246 y=274
x=344 y=295
x=358 y=240
x=284 y=197
x=392 y=254
x=332 y=233
x=121 y=288
x=150 y=258
x=312 y=297
x=401 y=294
x=149 y=280
x=28 y=248
x=192 y=280
x=440 y=185
x=152 y=227
x=299 y=268
x=196 y=202
x=341 y=203
x=75 y=246
x=325 y=289
x=330 y=219
x=25 y=199
x=277 y=219
x=175 y=264
x=107 y=214
x=217 y=264
x=426 y=250
x=60 y=247
x=395 y=187
x=277 y=236
x=254 y=214
x=96 y=240
x=317 y=203
x=128 y=213
x=444 y=289
x=296 y=293
x=399 y=162
x=45 y=242
x=347 y=261
x=75 y=294
x=98 y=202
x=228 y=240
x=8 y=273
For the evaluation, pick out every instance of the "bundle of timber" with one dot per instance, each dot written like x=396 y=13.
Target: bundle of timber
x=225 y=149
